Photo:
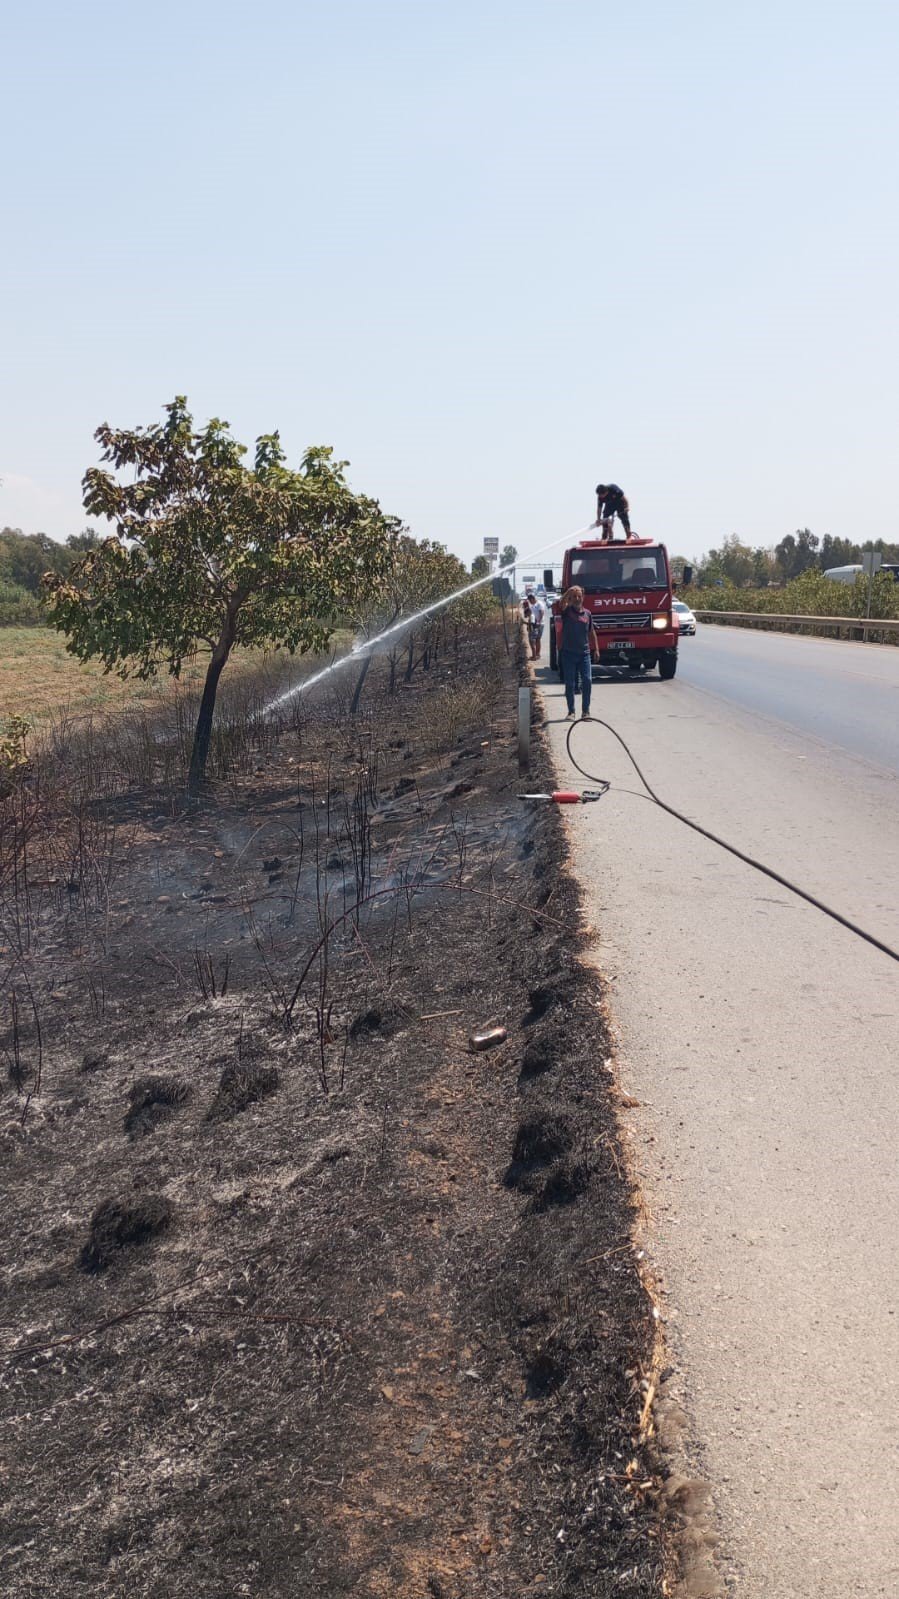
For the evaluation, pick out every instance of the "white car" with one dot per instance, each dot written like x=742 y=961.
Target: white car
x=686 y=621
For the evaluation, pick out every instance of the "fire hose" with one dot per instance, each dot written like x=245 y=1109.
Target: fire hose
x=564 y=797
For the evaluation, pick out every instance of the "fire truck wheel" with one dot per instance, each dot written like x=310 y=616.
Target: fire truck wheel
x=667 y=665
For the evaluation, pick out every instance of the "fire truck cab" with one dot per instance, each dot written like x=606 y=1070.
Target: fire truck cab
x=627 y=589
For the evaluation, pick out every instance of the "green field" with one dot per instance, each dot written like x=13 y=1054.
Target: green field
x=40 y=679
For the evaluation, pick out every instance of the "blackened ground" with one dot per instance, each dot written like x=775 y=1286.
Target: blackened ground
x=340 y=1308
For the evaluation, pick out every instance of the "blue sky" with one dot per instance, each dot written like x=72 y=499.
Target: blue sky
x=491 y=252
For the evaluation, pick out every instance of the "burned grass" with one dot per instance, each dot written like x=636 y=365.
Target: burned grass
x=358 y=1314
x=152 y=1100
x=121 y=1224
x=242 y=1083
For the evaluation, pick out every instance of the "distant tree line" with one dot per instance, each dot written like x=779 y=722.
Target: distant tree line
x=739 y=565
x=24 y=558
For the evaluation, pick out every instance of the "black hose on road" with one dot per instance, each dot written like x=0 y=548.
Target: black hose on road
x=741 y=855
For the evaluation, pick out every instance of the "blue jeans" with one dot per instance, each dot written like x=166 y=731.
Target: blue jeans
x=573 y=661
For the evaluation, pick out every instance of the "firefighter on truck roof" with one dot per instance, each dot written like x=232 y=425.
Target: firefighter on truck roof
x=611 y=501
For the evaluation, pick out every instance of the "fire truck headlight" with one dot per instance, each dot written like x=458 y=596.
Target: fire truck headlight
x=661 y=621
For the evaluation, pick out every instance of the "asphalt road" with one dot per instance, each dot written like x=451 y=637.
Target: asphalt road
x=761 y=1041
x=846 y=694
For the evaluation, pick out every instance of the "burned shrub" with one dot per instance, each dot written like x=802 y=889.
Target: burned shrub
x=546 y=1372
x=565 y=1183
x=539 y=1001
x=559 y=990
x=120 y=1224
x=375 y=1020
x=152 y=1100
x=94 y=1060
x=241 y=1084
x=539 y=1057
x=540 y=1140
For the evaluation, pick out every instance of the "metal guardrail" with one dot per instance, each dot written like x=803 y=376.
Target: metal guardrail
x=853 y=625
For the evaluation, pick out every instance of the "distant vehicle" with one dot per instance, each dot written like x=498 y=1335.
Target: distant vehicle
x=686 y=621
x=848 y=574
x=843 y=574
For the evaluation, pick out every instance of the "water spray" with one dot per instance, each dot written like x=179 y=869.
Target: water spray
x=368 y=646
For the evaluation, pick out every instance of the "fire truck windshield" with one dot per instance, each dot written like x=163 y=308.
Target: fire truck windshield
x=605 y=571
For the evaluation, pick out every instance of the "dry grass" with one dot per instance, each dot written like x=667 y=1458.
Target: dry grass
x=459 y=705
x=39 y=678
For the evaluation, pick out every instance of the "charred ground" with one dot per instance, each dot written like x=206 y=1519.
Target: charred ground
x=301 y=1295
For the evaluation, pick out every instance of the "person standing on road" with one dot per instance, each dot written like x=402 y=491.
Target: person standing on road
x=611 y=501
x=535 y=627
x=576 y=649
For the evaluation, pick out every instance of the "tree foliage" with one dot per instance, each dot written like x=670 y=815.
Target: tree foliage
x=25 y=557
x=421 y=573
x=206 y=551
x=18 y=608
x=742 y=565
x=796 y=553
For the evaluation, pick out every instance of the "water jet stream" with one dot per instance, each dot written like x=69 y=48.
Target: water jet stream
x=368 y=646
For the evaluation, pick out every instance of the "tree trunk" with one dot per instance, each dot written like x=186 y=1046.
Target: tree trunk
x=203 y=731
x=410 y=658
x=392 y=659
x=360 y=684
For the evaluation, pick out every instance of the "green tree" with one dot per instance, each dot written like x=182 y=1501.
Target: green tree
x=764 y=567
x=207 y=552
x=80 y=543
x=480 y=566
x=25 y=557
x=733 y=563
x=848 y=552
x=18 y=608
x=796 y=553
x=508 y=556
x=420 y=573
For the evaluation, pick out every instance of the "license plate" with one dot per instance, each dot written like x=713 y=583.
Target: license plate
x=626 y=644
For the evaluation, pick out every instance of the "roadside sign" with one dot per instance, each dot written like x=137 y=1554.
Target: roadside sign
x=491 y=547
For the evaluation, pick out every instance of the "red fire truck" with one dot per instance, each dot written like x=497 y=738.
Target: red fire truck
x=627 y=588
